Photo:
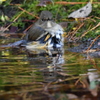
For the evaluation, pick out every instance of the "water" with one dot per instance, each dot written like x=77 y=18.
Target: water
x=36 y=75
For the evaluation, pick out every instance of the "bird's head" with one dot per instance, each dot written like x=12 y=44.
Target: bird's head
x=45 y=16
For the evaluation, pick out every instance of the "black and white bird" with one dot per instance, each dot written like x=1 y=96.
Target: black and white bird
x=45 y=32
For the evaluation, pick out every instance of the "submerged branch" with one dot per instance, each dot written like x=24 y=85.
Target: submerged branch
x=93 y=42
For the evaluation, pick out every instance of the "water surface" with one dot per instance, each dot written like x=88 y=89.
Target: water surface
x=36 y=75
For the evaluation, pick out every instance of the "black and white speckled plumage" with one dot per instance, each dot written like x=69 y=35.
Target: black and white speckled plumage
x=45 y=31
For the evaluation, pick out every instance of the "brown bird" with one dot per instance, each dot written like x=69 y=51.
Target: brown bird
x=46 y=31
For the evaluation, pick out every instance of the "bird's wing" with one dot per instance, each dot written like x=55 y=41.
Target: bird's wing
x=34 y=32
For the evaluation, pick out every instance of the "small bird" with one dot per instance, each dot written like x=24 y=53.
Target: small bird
x=46 y=31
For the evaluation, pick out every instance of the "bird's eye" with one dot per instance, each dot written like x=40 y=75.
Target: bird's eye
x=48 y=19
x=42 y=19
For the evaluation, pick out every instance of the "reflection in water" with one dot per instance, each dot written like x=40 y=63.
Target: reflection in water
x=47 y=75
x=49 y=62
